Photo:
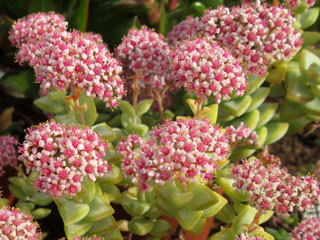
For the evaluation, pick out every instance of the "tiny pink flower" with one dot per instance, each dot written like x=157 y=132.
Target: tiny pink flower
x=61 y=163
x=8 y=154
x=17 y=225
x=308 y=229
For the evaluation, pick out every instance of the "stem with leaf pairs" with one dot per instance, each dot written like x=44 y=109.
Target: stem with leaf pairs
x=255 y=222
x=135 y=87
x=198 y=104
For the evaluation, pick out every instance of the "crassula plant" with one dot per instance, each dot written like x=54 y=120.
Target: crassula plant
x=207 y=88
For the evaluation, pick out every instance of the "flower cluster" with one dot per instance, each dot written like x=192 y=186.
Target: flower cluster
x=241 y=135
x=63 y=155
x=185 y=30
x=17 y=225
x=273 y=188
x=63 y=59
x=248 y=237
x=87 y=238
x=206 y=69
x=75 y=59
x=35 y=26
x=292 y=4
x=308 y=229
x=144 y=54
x=8 y=154
x=256 y=35
x=184 y=149
x=270 y=159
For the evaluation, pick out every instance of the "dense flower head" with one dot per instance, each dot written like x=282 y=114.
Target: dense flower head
x=77 y=59
x=185 y=30
x=241 y=135
x=34 y=26
x=87 y=238
x=184 y=149
x=273 y=188
x=292 y=4
x=270 y=159
x=8 y=154
x=256 y=35
x=17 y=225
x=63 y=156
x=308 y=229
x=243 y=236
x=205 y=69
x=144 y=54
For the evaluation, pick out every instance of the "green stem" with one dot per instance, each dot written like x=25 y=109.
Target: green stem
x=2 y=205
x=135 y=88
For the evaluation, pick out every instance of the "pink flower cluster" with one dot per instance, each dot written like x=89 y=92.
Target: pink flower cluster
x=17 y=225
x=144 y=53
x=8 y=154
x=63 y=59
x=308 y=229
x=270 y=159
x=273 y=188
x=75 y=59
x=206 y=69
x=292 y=4
x=63 y=155
x=87 y=238
x=185 y=30
x=256 y=35
x=241 y=135
x=184 y=149
x=34 y=26
x=248 y=237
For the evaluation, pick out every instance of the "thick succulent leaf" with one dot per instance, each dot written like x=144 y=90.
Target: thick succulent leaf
x=267 y=111
x=245 y=217
x=258 y=98
x=238 y=106
x=141 y=226
x=276 y=130
x=188 y=218
x=309 y=17
x=224 y=234
x=73 y=212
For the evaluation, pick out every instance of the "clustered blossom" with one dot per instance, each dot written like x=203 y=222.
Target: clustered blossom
x=241 y=135
x=144 y=54
x=248 y=237
x=308 y=229
x=256 y=35
x=8 y=154
x=17 y=225
x=205 y=69
x=185 y=30
x=273 y=188
x=184 y=149
x=63 y=59
x=74 y=59
x=34 y=26
x=270 y=159
x=87 y=238
x=292 y=4
x=63 y=156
